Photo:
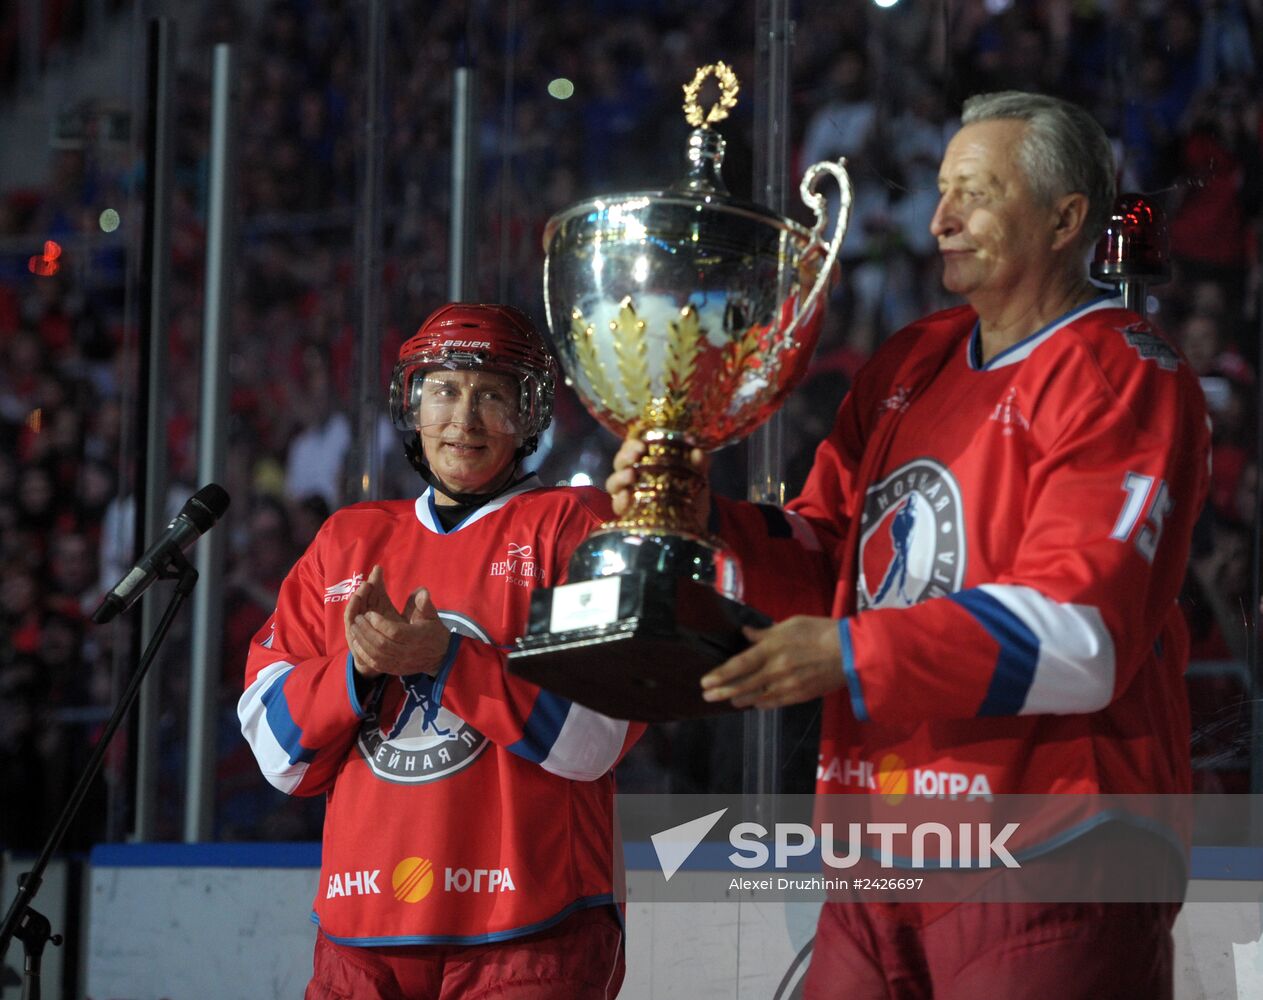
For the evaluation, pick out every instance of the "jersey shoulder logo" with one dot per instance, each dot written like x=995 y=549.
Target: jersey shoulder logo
x=408 y=737
x=912 y=544
x=343 y=589
x=897 y=400
x=1150 y=346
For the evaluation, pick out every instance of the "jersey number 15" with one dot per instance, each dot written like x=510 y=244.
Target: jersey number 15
x=1139 y=489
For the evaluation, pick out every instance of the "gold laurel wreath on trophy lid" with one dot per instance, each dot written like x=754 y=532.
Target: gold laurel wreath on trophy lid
x=728 y=88
x=631 y=349
x=684 y=344
x=583 y=336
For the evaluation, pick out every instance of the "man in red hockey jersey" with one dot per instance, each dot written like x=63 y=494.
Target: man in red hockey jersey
x=1009 y=492
x=468 y=832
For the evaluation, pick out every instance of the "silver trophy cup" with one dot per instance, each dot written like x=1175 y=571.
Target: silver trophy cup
x=685 y=317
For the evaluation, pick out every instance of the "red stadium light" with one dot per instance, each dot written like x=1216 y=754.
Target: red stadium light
x=46 y=264
x=1134 y=246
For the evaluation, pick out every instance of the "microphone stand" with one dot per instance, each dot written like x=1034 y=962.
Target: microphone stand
x=28 y=925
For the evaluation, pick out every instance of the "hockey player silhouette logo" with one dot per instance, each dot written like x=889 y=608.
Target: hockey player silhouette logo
x=408 y=736
x=900 y=530
x=419 y=688
x=913 y=542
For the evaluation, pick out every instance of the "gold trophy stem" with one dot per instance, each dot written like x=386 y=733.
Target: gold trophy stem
x=667 y=485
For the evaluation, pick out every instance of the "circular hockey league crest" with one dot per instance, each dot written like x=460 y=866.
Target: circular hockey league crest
x=912 y=546
x=408 y=737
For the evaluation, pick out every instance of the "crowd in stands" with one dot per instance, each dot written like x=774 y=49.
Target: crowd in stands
x=1175 y=84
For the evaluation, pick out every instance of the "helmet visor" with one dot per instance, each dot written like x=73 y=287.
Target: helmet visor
x=487 y=399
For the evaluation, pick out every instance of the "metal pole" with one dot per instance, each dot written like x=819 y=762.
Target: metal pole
x=1135 y=296
x=151 y=512
x=460 y=281
x=208 y=605
x=508 y=137
x=766 y=484
x=363 y=461
x=1255 y=614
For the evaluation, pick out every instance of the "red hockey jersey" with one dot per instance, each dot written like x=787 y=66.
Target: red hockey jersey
x=1011 y=538
x=461 y=809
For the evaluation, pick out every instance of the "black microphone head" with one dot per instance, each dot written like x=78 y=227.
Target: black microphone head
x=206 y=506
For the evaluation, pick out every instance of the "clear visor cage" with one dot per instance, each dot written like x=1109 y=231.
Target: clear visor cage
x=462 y=388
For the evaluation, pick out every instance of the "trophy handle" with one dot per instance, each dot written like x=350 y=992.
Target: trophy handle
x=814 y=200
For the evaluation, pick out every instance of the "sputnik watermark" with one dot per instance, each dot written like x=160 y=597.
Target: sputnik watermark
x=900 y=847
x=796 y=840
x=932 y=845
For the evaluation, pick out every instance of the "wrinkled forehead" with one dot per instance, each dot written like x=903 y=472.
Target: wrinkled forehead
x=984 y=152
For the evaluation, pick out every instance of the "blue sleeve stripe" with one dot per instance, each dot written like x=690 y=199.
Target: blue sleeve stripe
x=352 y=697
x=1019 y=652
x=445 y=668
x=542 y=728
x=849 y=671
x=282 y=723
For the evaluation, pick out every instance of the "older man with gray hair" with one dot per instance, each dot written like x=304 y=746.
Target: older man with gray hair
x=1008 y=494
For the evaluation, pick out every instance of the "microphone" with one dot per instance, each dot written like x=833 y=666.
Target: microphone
x=198 y=516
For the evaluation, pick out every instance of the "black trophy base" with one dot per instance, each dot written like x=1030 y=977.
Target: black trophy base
x=639 y=644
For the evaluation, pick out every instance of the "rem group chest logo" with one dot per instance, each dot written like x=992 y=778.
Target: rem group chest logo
x=912 y=545
x=520 y=566
x=407 y=737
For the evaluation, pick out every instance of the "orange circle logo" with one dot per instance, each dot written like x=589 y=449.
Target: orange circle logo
x=413 y=878
x=892 y=778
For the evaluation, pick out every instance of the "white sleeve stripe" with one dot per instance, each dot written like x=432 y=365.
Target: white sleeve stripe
x=273 y=758
x=804 y=534
x=1075 y=667
x=587 y=746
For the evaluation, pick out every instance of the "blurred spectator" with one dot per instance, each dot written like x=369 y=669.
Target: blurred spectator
x=307 y=517
x=26 y=362
x=846 y=124
x=1150 y=124
x=1219 y=611
x=317 y=453
x=1228 y=382
x=262 y=558
x=1213 y=226
x=20 y=610
x=37 y=512
x=73 y=574
x=1202 y=339
x=1179 y=40
x=1227 y=47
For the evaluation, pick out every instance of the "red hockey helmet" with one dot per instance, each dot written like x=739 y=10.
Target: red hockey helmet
x=492 y=338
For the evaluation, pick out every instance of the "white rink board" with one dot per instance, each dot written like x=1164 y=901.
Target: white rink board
x=201 y=931
x=189 y=931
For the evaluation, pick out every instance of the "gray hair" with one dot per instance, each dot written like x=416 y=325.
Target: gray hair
x=1064 y=150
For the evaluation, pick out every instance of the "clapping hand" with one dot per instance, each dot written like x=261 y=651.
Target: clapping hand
x=384 y=639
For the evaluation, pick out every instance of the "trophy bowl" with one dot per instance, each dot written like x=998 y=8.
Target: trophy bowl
x=683 y=316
